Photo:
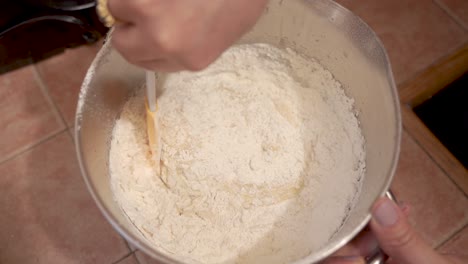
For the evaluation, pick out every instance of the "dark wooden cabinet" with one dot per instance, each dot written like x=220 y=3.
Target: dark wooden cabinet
x=32 y=30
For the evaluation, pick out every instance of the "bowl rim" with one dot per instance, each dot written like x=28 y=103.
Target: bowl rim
x=320 y=254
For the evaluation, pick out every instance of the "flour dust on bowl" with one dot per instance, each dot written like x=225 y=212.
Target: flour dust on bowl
x=263 y=153
x=253 y=149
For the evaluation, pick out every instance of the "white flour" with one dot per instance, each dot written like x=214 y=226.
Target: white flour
x=262 y=155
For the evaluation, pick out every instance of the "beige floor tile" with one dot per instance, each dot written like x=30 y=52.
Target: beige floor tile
x=48 y=216
x=63 y=75
x=439 y=208
x=458 y=9
x=457 y=245
x=128 y=260
x=25 y=115
x=415 y=33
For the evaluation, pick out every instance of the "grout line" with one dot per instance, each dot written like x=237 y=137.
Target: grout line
x=451 y=14
x=122 y=258
x=444 y=242
x=28 y=147
x=434 y=161
x=71 y=133
x=406 y=104
x=137 y=259
x=412 y=77
x=46 y=92
x=128 y=245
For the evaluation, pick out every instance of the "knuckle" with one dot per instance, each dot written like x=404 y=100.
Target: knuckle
x=124 y=48
x=402 y=238
x=142 y=6
x=118 y=41
x=169 y=43
x=196 y=64
x=131 y=59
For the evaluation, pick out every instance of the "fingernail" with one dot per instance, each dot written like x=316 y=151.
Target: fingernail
x=386 y=213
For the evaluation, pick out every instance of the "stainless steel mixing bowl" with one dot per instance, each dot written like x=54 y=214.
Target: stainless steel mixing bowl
x=322 y=29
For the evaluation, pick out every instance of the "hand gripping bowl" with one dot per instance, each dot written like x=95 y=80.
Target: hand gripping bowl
x=322 y=29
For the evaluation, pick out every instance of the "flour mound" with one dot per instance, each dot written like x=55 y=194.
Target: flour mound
x=262 y=156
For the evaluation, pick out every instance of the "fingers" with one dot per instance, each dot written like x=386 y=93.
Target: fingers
x=143 y=51
x=160 y=65
x=132 y=44
x=124 y=10
x=345 y=260
x=363 y=245
x=176 y=35
x=134 y=48
x=397 y=238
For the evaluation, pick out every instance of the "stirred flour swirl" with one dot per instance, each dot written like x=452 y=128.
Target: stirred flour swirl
x=262 y=156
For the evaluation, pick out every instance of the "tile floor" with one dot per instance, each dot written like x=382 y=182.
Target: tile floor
x=49 y=217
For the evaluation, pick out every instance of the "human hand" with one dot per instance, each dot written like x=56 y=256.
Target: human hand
x=177 y=35
x=391 y=231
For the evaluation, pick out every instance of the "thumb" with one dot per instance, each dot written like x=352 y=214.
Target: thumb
x=397 y=238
